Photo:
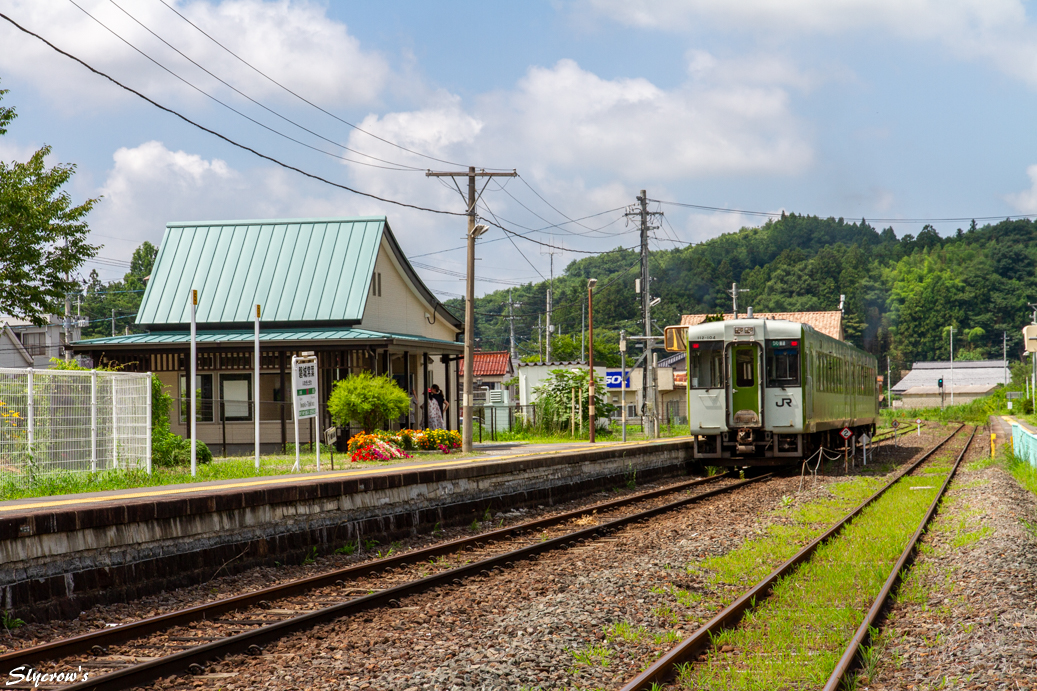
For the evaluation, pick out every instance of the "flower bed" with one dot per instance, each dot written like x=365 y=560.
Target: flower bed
x=385 y=446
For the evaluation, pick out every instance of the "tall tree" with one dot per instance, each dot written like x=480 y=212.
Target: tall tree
x=42 y=234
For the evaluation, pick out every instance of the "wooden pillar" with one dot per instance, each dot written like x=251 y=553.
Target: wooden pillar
x=284 y=402
x=424 y=390
x=446 y=391
x=406 y=380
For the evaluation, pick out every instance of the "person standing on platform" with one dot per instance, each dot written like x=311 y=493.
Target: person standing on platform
x=437 y=405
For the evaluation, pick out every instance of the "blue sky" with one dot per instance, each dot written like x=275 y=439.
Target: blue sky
x=885 y=109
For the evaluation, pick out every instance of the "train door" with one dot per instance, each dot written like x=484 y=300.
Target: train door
x=745 y=386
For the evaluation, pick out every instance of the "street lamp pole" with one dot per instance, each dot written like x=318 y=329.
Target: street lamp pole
x=590 y=351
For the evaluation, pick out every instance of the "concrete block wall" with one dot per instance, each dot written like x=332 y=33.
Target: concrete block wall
x=58 y=563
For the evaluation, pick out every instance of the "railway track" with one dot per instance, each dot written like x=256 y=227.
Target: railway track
x=134 y=654
x=688 y=651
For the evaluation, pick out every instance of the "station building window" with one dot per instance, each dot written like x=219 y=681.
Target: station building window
x=203 y=390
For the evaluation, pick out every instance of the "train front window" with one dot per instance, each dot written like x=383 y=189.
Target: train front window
x=782 y=363
x=706 y=365
x=744 y=368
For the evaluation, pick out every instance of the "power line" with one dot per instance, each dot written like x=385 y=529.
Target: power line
x=230 y=107
x=459 y=274
x=534 y=230
x=775 y=214
x=238 y=91
x=221 y=136
x=305 y=100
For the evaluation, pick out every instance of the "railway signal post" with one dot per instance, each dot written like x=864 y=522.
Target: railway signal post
x=847 y=434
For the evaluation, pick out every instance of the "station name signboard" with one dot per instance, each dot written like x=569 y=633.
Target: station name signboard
x=614 y=379
x=304 y=381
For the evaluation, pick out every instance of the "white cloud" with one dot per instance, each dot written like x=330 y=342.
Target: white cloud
x=149 y=186
x=997 y=31
x=1026 y=201
x=295 y=43
x=568 y=121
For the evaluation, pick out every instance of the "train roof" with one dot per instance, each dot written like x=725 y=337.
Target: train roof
x=830 y=323
x=731 y=329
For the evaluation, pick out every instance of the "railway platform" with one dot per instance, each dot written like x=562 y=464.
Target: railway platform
x=63 y=554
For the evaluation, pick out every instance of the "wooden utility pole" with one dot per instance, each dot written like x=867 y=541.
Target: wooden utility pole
x=474 y=231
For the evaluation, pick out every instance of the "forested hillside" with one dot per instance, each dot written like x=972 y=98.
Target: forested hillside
x=902 y=294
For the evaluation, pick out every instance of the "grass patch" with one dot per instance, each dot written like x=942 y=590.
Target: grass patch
x=755 y=559
x=794 y=639
x=1024 y=473
x=624 y=630
x=220 y=469
x=592 y=656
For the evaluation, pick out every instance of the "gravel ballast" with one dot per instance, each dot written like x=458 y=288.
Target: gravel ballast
x=966 y=616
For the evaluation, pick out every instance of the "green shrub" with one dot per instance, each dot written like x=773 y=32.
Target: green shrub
x=367 y=400
x=169 y=450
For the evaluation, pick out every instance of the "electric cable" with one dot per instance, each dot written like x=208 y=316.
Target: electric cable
x=774 y=214
x=225 y=105
x=221 y=136
x=310 y=103
x=264 y=107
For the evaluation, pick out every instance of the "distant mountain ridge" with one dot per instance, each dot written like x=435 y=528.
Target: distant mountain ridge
x=902 y=294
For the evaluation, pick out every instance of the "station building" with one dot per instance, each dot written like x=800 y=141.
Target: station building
x=339 y=287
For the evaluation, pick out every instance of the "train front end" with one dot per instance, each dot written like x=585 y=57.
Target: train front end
x=744 y=386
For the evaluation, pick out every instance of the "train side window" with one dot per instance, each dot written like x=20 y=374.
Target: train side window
x=782 y=363
x=706 y=365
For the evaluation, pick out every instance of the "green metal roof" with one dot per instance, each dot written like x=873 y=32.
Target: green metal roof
x=298 y=270
x=245 y=336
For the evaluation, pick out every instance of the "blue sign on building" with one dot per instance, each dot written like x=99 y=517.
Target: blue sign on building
x=614 y=379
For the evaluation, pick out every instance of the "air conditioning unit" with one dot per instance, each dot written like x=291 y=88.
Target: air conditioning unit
x=498 y=397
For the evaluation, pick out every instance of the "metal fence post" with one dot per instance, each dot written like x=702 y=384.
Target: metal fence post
x=31 y=417
x=147 y=422
x=115 y=428
x=93 y=421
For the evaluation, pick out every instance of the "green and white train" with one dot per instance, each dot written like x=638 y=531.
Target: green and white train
x=764 y=391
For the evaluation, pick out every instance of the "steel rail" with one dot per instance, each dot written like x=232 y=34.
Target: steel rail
x=889 y=433
x=116 y=634
x=846 y=662
x=689 y=648
x=251 y=641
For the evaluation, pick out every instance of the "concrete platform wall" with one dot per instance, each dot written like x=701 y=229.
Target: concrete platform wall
x=58 y=563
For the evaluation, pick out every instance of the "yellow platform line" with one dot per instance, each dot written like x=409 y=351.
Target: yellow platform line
x=280 y=479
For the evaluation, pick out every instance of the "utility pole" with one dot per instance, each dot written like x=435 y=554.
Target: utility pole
x=590 y=319
x=1004 y=354
x=539 y=339
x=735 y=290
x=952 y=366
x=68 y=324
x=644 y=217
x=113 y=322
x=474 y=231
x=511 y=321
x=552 y=251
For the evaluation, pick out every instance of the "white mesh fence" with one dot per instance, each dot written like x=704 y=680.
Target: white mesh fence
x=63 y=421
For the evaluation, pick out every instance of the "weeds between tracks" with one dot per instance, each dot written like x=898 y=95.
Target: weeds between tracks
x=795 y=637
